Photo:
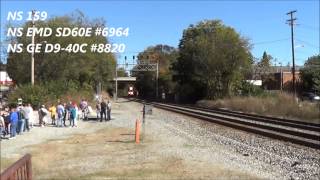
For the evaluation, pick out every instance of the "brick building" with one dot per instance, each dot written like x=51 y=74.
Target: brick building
x=281 y=78
x=284 y=80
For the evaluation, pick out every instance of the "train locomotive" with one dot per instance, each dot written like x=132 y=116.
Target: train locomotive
x=131 y=92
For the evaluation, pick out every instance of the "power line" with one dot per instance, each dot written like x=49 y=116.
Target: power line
x=269 y=42
x=307 y=43
x=257 y=43
x=305 y=26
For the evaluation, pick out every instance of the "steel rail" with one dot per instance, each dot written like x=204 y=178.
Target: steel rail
x=234 y=120
x=285 y=122
x=300 y=138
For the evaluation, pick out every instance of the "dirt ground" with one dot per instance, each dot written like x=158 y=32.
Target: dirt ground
x=109 y=152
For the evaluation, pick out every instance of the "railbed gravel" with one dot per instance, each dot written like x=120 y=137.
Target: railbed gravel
x=282 y=160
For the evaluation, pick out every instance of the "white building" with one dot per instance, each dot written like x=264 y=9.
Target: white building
x=5 y=81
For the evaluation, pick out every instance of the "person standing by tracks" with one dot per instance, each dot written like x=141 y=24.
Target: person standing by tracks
x=84 y=109
x=109 y=110
x=7 y=122
x=30 y=115
x=61 y=114
x=52 y=111
x=43 y=112
x=77 y=112
x=68 y=110
x=27 y=114
x=13 y=122
x=76 y=118
x=21 y=120
x=73 y=114
x=2 y=126
x=65 y=114
x=103 y=110
x=98 y=109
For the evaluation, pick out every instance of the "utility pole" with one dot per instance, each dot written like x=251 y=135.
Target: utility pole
x=157 y=75
x=116 y=95
x=291 y=23
x=157 y=81
x=32 y=53
x=281 y=77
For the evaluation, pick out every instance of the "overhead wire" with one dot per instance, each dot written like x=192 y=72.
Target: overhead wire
x=269 y=42
x=308 y=43
x=305 y=26
x=256 y=43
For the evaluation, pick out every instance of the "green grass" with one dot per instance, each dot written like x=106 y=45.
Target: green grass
x=188 y=146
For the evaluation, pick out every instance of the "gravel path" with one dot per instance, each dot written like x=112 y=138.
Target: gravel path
x=185 y=147
x=17 y=147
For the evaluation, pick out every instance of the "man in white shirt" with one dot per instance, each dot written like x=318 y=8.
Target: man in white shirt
x=30 y=115
x=60 y=112
x=26 y=113
x=43 y=112
x=109 y=110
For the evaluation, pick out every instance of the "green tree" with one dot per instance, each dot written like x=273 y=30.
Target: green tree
x=213 y=59
x=81 y=68
x=122 y=72
x=266 y=59
x=265 y=71
x=146 y=81
x=264 y=65
x=310 y=74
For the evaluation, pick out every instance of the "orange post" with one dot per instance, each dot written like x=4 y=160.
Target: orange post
x=137 y=131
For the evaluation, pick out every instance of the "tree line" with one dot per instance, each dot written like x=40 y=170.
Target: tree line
x=83 y=69
x=212 y=61
x=58 y=74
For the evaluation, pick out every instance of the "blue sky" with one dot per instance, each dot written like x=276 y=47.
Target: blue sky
x=162 y=22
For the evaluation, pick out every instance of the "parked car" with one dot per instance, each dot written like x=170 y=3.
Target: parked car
x=310 y=96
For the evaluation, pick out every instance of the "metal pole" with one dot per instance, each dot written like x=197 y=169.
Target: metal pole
x=291 y=23
x=32 y=53
x=281 y=77
x=293 y=63
x=157 y=83
x=116 y=95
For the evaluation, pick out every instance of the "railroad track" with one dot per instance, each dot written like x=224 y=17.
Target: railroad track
x=297 y=132
x=279 y=121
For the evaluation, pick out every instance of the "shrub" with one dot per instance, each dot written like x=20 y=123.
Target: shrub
x=50 y=92
x=248 y=89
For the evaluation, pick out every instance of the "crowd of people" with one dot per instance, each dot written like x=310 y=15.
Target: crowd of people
x=16 y=120
x=103 y=109
x=59 y=114
x=21 y=118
